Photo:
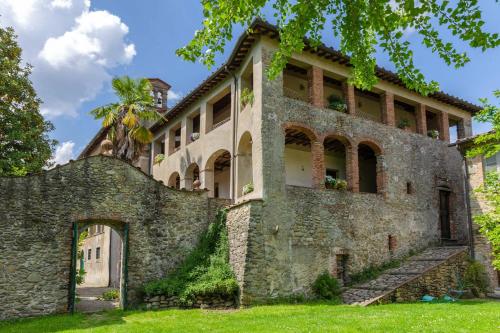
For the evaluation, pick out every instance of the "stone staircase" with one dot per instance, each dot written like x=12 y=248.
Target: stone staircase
x=433 y=272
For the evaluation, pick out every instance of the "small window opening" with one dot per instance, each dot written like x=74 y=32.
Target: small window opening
x=98 y=253
x=89 y=254
x=409 y=188
x=341 y=261
x=391 y=240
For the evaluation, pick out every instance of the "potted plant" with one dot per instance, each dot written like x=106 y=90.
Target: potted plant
x=194 y=136
x=247 y=97
x=330 y=182
x=404 y=124
x=341 y=185
x=336 y=103
x=433 y=134
x=158 y=159
x=247 y=188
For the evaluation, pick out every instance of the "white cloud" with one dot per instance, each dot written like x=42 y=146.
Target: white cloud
x=64 y=152
x=173 y=96
x=71 y=47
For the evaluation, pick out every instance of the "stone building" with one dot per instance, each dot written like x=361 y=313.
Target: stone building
x=102 y=248
x=100 y=257
x=268 y=145
x=478 y=167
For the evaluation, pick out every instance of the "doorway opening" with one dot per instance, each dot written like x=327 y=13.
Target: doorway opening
x=98 y=266
x=444 y=214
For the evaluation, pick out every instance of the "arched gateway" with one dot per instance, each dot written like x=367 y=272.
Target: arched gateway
x=41 y=215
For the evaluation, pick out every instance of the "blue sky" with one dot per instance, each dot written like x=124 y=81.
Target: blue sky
x=156 y=28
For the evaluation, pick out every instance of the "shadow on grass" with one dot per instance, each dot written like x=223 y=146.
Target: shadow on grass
x=57 y=323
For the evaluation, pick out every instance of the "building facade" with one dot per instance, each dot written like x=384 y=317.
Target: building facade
x=269 y=145
x=477 y=168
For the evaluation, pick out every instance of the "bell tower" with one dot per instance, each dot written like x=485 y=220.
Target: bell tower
x=160 y=93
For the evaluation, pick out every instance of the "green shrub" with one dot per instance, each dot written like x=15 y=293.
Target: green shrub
x=80 y=276
x=326 y=287
x=111 y=295
x=336 y=103
x=373 y=272
x=247 y=97
x=206 y=270
x=248 y=188
x=475 y=278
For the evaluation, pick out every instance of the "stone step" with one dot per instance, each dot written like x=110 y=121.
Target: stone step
x=387 y=283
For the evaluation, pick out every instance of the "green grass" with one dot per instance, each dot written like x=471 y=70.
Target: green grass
x=464 y=316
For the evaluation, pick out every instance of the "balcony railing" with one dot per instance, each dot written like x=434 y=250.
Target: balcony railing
x=291 y=93
x=369 y=116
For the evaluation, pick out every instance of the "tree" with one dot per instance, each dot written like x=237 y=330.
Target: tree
x=24 y=144
x=360 y=25
x=487 y=145
x=126 y=120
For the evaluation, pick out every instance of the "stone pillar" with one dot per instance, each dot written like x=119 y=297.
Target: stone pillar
x=421 y=114
x=387 y=103
x=464 y=128
x=207 y=181
x=315 y=81
x=318 y=164
x=380 y=175
x=187 y=183
x=350 y=97
x=443 y=126
x=352 y=169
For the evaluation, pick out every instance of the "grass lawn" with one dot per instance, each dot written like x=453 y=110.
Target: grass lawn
x=464 y=316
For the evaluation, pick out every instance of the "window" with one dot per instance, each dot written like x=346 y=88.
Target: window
x=332 y=173
x=409 y=188
x=98 y=253
x=89 y=254
x=221 y=110
x=491 y=163
x=174 y=139
x=193 y=127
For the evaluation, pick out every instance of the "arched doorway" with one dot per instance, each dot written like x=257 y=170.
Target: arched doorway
x=368 y=168
x=335 y=157
x=218 y=174
x=298 y=157
x=192 y=174
x=99 y=269
x=174 y=181
x=245 y=166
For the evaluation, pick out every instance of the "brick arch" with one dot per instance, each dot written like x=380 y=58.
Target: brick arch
x=372 y=144
x=350 y=161
x=306 y=129
x=379 y=154
x=345 y=139
x=172 y=180
x=39 y=214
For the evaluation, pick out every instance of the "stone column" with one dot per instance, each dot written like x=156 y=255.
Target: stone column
x=352 y=169
x=318 y=164
x=350 y=97
x=443 y=126
x=421 y=114
x=464 y=128
x=387 y=103
x=207 y=181
x=380 y=175
x=315 y=81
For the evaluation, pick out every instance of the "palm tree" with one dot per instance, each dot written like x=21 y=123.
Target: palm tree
x=127 y=119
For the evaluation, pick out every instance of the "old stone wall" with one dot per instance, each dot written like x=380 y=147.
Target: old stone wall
x=482 y=248
x=436 y=282
x=37 y=214
x=313 y=226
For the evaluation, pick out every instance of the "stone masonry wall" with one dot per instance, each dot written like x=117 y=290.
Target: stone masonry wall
x=482 y=248
x=302 y=230
x=36 y=217
x=436 y=282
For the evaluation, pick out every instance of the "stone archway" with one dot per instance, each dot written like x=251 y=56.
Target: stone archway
x=39 y=214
